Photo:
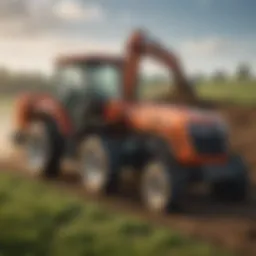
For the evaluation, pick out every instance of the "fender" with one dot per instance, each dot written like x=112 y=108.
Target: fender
x=31 y=106
x=23 y=106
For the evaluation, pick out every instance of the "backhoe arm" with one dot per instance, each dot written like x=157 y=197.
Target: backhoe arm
x=139 y=46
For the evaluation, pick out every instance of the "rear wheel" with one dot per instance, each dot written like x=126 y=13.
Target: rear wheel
x=44 y=148
x=99 y=160
x=163 y=186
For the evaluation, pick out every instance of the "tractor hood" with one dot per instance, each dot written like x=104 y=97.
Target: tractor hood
x=169 y=115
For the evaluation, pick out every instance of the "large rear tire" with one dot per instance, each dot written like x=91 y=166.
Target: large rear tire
x=99 y=164
x=44 y=147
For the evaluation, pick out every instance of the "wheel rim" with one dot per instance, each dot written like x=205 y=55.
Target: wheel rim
x=94 y=171
x=156 y=187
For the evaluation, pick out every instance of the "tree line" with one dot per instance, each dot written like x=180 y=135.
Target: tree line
x=12 y=82
x=15 y=82
x=243 y=72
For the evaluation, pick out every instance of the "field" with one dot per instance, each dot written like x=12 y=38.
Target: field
x=243 y=93
x=36 y=219
x=237 y=92
x=41 y=219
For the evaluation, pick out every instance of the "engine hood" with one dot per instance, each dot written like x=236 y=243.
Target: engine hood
x=188 y=130
x=169 y=115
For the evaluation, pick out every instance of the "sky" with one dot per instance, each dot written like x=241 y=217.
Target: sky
x=207 y=34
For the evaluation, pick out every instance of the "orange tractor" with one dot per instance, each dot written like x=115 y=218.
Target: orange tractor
x=97 y=117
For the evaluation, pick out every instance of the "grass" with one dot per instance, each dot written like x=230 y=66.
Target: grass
x=238 y=92
x=39 y=220
x=243 y=92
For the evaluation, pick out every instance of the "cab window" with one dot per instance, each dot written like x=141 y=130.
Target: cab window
x=105 y=80
x=71 y=79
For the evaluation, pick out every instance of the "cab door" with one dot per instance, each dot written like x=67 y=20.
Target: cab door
x=72 y=91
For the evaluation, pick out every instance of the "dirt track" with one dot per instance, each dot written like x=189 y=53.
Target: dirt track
x=233 y=226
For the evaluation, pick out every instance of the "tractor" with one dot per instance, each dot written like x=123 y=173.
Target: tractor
x=97 y=117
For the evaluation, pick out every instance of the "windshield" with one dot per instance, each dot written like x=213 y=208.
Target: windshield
x=101 y=79
x=105 y=80
x=70 y=80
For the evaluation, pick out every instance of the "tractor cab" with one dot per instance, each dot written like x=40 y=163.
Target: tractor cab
x=86 y=76
x=82 y=78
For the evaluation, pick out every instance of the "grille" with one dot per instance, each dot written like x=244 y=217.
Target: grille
x=208 y=140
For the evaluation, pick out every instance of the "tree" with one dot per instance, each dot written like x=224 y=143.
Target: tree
x=243 y=71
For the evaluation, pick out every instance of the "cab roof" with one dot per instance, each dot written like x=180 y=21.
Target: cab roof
x=85 y=58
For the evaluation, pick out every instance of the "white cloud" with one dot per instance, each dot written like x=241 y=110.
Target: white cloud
x=208 y=54
x=35 y=17
x=75 y=11
x=205 y=47
x=201 y=55
x=38 y=53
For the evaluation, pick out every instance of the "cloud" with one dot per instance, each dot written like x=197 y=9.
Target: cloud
x=33 y=17
x=209 y=54
x=25 y=17
x=38 y=53
x=205 y=55
x=75 y=11
x=29 y=37
x=205 y=46
x=13 y=8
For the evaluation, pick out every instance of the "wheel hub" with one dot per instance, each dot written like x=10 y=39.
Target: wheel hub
x=37 y=151
x=94 y=173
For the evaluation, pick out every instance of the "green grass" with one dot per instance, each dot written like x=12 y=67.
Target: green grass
x=39 y=220
x=238 y=92
x=233 y=91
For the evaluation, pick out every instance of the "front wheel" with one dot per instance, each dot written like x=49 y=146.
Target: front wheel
x=163 y=186
x=237 y=187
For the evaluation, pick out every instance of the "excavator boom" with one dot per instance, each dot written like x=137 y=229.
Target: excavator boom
x=141 y=45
